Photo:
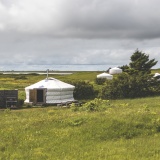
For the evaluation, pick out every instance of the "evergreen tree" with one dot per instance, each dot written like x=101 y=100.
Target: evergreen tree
x=140 y=62
x=136 y=81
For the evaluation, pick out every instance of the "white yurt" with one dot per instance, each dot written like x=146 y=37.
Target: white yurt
x=156 y=75
x=115 y=70
x=105 y=75
x=49 y=91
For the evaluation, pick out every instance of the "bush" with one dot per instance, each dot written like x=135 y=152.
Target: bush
x=100 y=81
x=92 y=106
x=96 y=105
x=28 y=106
x=130 y=86
x=20 y=102
x=84 y=90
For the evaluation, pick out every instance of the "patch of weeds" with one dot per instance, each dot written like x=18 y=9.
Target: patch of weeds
x=2 y=148
x=77 y=122
x=7 y=110
x=156 y=123
x=22 y=77
x=51 y=112
x=92 y=106
x=74 y=107
x=28 y=106
x=127 y=129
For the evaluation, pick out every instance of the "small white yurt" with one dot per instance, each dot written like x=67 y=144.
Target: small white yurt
x=115 y=70
x=156 y=75
x=49 y=91
x=105 y=75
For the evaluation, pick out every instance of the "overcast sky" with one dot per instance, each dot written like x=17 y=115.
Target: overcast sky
x=78 y=31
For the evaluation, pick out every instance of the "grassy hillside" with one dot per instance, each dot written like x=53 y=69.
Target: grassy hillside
x=126 y=129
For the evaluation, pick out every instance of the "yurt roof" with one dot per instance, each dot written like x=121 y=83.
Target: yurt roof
x=104 y=75
x=50 y=83
x=115 y=68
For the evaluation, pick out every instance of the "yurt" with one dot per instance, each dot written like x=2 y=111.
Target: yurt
x=157 y=75
x=105 y=75
x=49 y=91
x=115 y=70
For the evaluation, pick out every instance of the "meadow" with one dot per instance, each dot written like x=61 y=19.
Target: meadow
x=127 y=129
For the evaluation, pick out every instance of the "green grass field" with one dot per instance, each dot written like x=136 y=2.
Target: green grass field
x=126 y=129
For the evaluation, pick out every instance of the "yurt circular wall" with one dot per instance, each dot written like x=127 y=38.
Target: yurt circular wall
x=105 y=75
x=115 y=71
x=55 y=96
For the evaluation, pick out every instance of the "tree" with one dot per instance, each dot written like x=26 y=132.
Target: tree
x=125 y=68
x=130 y=86
x=136 y=81
x=140 y=62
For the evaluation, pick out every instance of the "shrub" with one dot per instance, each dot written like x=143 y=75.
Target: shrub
x=20 y=102
x=74 y=107
x=100 y=81
x=130 y=86
x=92 y=106
x=28 y=106
x=84 y=90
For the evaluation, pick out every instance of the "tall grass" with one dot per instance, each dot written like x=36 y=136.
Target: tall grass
x=127 y=129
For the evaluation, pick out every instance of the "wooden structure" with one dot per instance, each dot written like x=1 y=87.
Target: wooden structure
x=8 y=98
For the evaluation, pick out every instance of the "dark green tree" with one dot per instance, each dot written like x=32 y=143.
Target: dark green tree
x=140 y=62
x=135 y=81
x=125 y=68
x=130 y=86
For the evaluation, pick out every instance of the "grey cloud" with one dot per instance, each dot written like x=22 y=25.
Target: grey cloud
x=77 y=31
x=85 y=19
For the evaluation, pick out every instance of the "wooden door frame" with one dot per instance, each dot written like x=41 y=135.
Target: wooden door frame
x=33 y=95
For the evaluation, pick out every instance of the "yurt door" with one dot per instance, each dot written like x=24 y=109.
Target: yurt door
x=37 y=95
x=41 y=95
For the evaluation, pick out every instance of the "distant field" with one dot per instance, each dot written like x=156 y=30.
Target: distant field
x=20 y=80
x=155 y=70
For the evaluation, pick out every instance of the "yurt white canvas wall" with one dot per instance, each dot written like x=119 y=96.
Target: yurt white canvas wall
x=49 y=91
x=156 y=75
x=115 y=71
x=105 y=75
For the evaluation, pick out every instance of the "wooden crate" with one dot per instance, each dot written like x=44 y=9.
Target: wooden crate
x=8 y=98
